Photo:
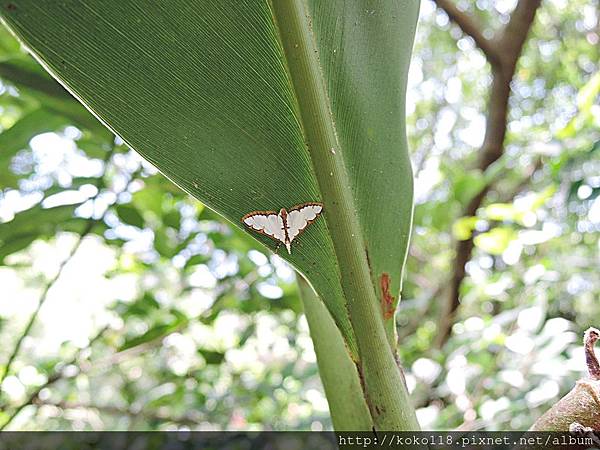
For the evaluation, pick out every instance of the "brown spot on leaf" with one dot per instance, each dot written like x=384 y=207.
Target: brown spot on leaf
x=388 y=302
x=11 y=7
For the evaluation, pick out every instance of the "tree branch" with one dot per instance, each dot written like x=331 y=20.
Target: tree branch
x=187 y=419
x=579 y=410
x=470 y=28
x=507 y=48
x=513 y=36
x=101 y=364
x=44 y=295
x=57 y=375
x=589 y=339
x=41 y=301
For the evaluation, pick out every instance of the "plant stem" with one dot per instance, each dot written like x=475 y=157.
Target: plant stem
x=347 y=406
x=44 y=295
x=57 y=375
x=41 y=301
x=383 y=384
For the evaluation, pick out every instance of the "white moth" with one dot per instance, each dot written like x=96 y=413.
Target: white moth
x=283 y=226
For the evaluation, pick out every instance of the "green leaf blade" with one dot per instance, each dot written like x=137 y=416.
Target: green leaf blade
x=257 y=110
x=223 y=128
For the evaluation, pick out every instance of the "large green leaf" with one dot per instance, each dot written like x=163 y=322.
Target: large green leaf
x=24 y=73
x=258 y=105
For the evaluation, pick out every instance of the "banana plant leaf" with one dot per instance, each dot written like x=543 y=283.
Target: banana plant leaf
x=256 y=105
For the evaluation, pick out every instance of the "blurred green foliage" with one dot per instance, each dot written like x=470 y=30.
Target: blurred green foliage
x=188 y=323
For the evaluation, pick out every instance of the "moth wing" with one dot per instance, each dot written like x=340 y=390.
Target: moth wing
x=300 y=217
x=269 y=224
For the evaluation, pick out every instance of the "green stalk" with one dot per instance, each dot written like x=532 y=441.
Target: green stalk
x=347 y=406
x=383 y=385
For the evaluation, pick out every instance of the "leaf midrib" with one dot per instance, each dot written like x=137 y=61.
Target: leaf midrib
x=326 y=154
x=382 y=381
